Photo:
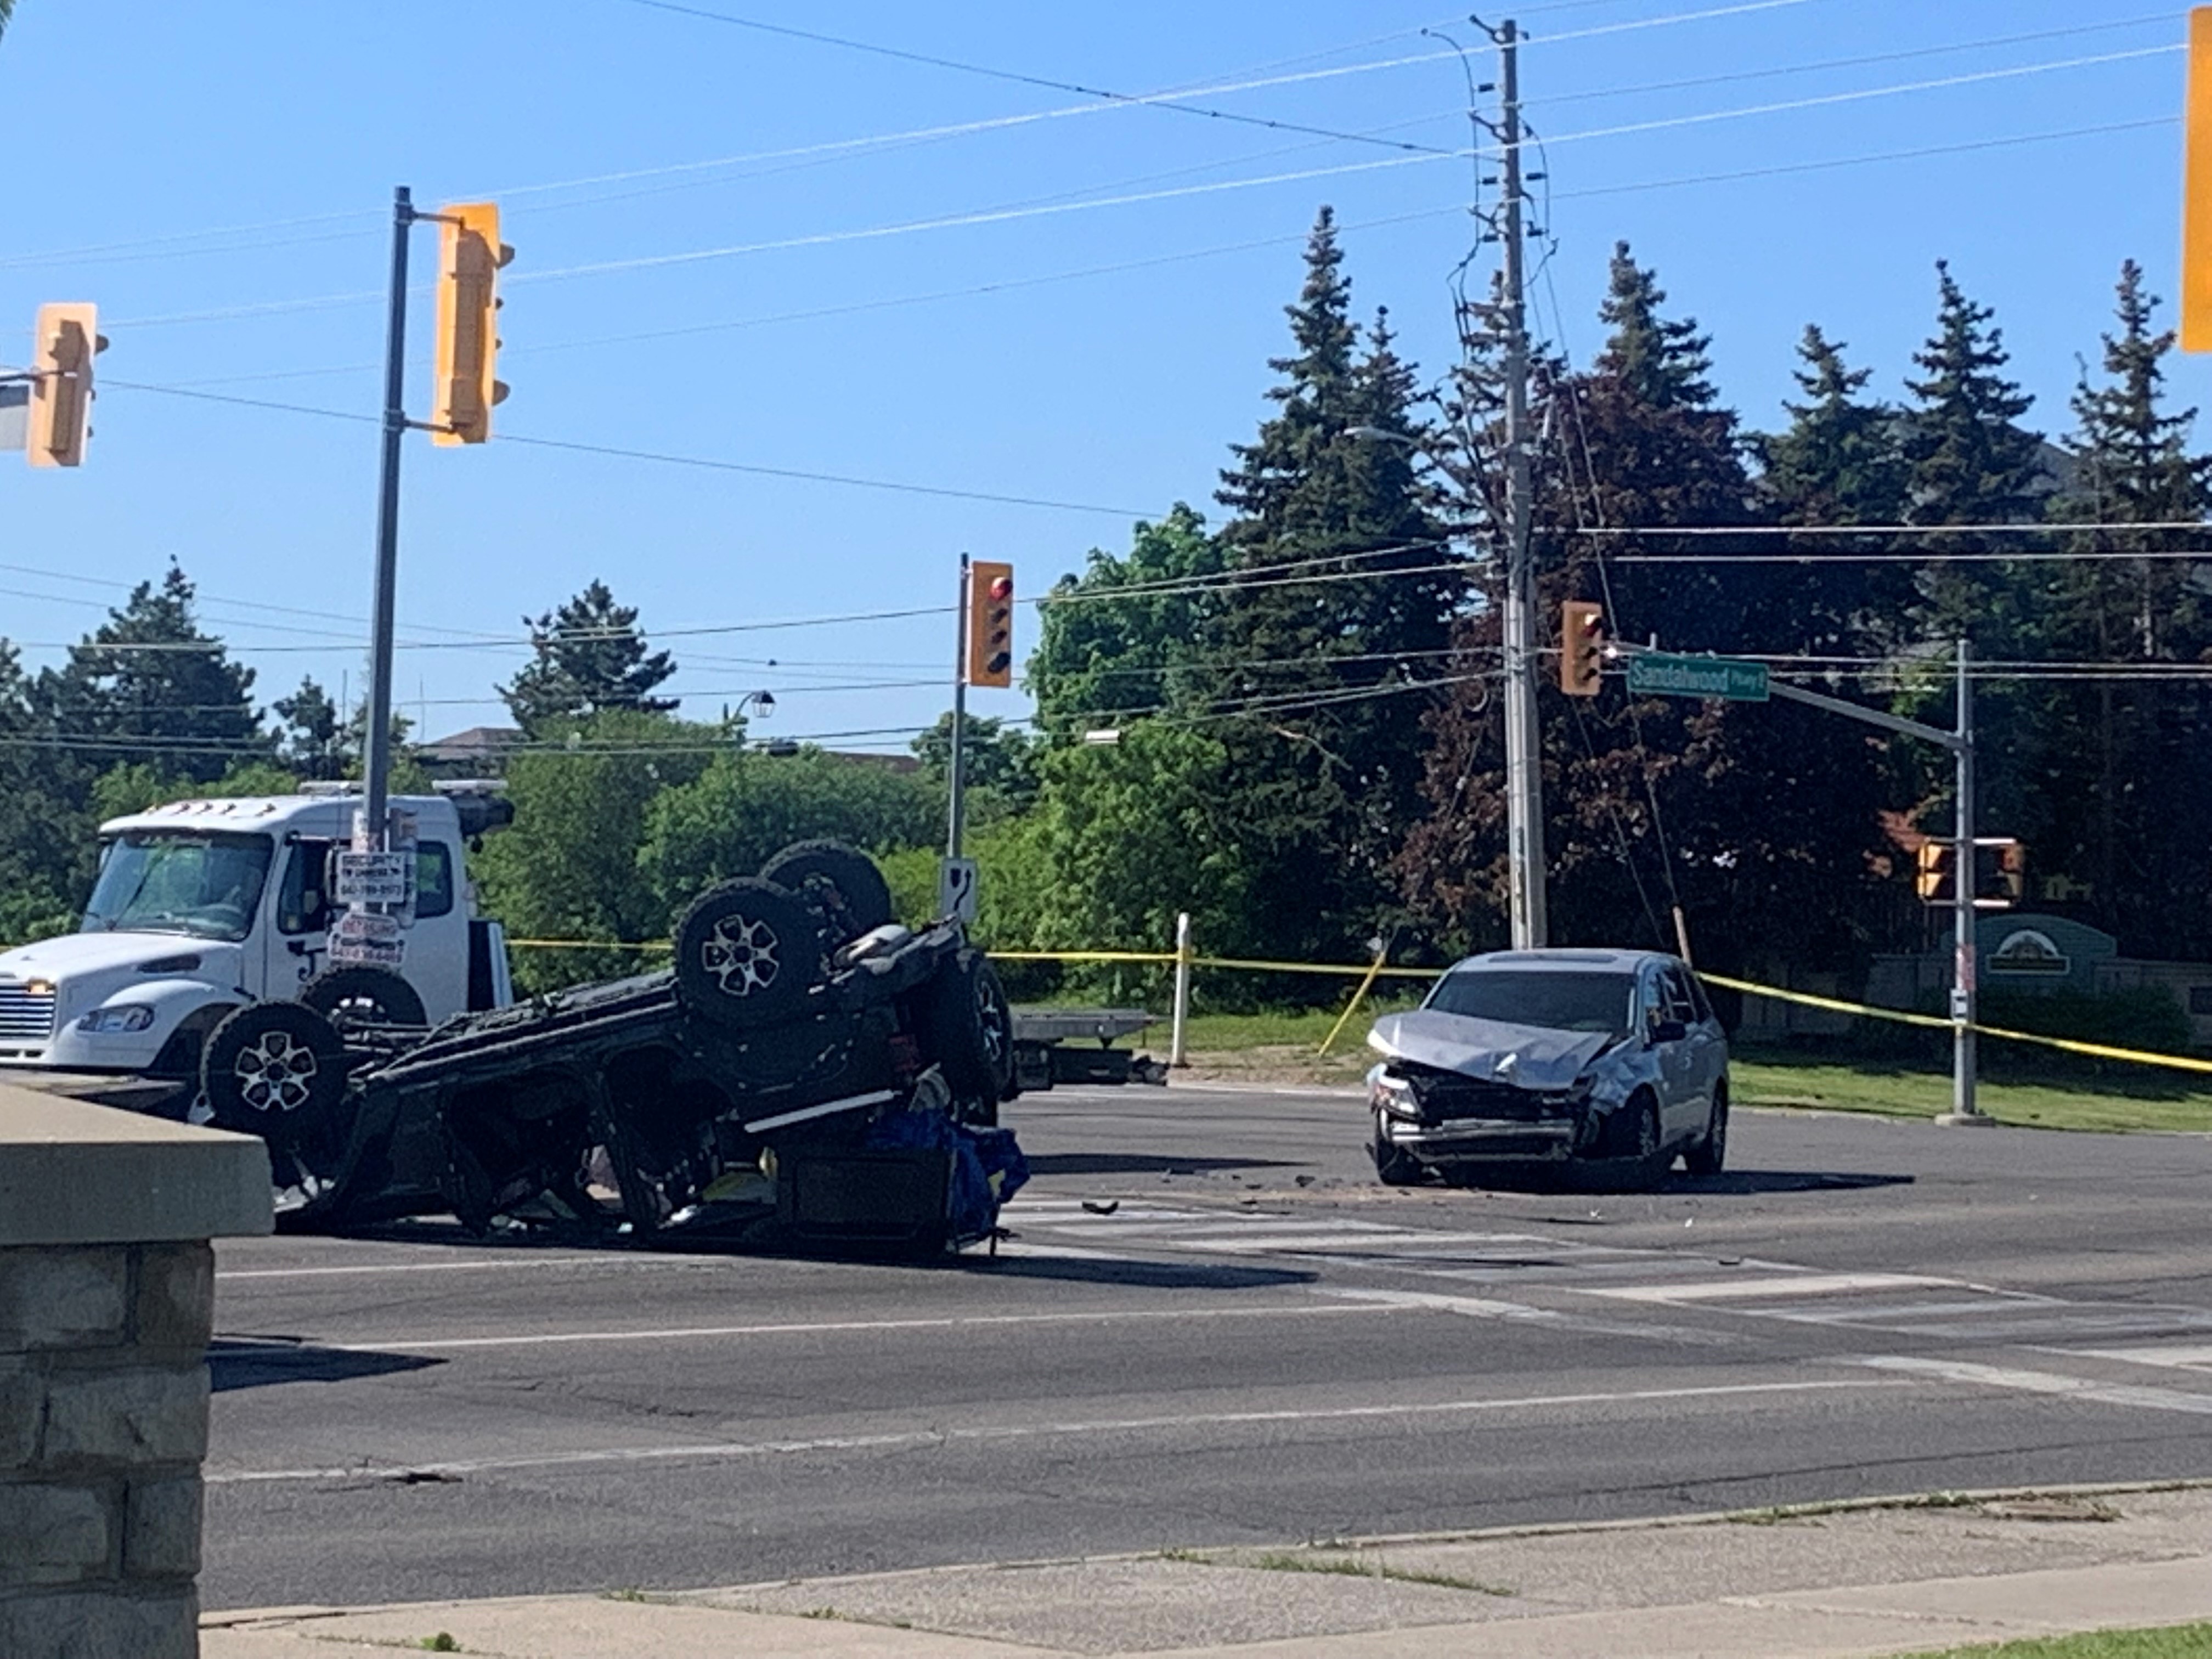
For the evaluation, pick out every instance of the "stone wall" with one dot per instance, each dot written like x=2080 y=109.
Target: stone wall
x=103 y=1373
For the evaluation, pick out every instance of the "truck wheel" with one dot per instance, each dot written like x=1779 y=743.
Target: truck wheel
x=747 y=952
x=969 y=1030
x=277 y=1070
x=841 y=878
x=373 y=996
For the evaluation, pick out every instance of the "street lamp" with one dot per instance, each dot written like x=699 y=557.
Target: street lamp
x=1524 y=778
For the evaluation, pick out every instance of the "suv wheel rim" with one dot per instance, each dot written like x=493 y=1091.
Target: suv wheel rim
x=994 y=1024
x=741 y=954
x=275 y=1073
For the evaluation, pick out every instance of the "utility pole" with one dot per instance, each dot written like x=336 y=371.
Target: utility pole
x=1965 y=916
x=1524 y=778
x=372 y=830
x=957 y=812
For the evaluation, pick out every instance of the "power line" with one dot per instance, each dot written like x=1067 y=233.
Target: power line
x=2048 y=527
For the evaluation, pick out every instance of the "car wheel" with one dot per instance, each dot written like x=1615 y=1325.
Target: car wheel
x=970 y=1031
x=1709 y=1156
x=747 y=952
x=277 y=1070
x=1628 y=1154
x=1392 y=1167
x=372 y=996
x=843 y=881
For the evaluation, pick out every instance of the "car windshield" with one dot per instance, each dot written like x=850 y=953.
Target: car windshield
x=1550 y=1000
x=167 y=882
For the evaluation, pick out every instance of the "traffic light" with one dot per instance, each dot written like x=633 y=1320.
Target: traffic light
x=1933 y=880
x=2196 y=190
x=67 y=340
x=991 y=625
x=469 y=258
x=1581 y=647
x=2012 y=871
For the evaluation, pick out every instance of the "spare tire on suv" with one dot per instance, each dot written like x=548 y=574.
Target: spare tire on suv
x=747 y=952
x=839 y=879
x=278 y=1070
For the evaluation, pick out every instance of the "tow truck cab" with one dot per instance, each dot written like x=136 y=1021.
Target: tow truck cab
x=203 y=906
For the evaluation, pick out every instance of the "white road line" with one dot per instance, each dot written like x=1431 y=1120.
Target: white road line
x=1817 y=1314
x=2163 y=1358
x=1410 y=1412
x=1474 y=1307
x=625 y=1258
x=1785 y=1282
x=2047 y=1382
x=714 y=1332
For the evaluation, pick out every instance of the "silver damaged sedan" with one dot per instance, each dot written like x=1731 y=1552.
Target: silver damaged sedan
x=1533 y=1057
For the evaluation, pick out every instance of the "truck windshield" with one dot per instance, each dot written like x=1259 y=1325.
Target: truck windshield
x=168 y=882
x=1550 y=1000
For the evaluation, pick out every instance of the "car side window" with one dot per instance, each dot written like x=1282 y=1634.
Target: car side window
x=1655 y=1001
x=302 y=905
x=1680 y=1005
x=433 y=880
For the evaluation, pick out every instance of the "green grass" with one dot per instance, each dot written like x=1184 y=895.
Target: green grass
x=2175 y=1641
x=1295 y=1028
x=2111 y=1101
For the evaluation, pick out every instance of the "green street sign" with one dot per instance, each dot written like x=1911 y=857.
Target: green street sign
x=1657 y=673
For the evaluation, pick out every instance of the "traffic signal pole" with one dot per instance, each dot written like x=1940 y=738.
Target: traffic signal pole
x=372 y=830
x=957 y=811
x=1524 y=780
x=1965 y=1112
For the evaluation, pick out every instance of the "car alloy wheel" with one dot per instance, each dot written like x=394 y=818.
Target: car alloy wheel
x=742 y=954
x=275 y=1073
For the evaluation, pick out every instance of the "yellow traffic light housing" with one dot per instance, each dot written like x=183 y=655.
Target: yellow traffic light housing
x=470 y=258
x=67 y=339
x=2196 y=190
x=1933 y=878
x=1582 y=647
x=991 y=625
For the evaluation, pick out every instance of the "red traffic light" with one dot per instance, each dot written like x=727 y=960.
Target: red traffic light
x=1002 y=588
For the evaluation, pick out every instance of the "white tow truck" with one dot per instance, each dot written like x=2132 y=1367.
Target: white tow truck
x=202 y=907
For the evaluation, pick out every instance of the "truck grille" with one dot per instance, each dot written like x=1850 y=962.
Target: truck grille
x=26 y=1015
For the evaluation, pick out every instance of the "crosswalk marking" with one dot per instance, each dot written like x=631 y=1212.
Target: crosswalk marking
x=2176 y=1358
x=1478 y=1263
x=1783 y=1283
x=2047 y=1382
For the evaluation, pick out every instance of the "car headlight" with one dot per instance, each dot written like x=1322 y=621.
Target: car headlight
x=1393 y=1096
x=128 y=1017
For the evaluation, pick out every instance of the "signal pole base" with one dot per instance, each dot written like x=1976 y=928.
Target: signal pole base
x=1964 y=1121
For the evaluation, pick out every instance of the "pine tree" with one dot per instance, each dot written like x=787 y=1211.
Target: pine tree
x=591 y=656
x=1310 y=678
x=149 y=685
x=2124 y=786
x=312 y=741
x=1841 y=461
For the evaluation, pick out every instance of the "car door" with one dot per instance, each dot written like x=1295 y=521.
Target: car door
x=1696 y=1061
x=1681 y=1105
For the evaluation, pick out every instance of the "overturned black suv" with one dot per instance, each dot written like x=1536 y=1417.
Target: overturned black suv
x=807 y=1070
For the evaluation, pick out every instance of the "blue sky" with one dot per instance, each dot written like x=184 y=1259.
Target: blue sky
x=218 y=178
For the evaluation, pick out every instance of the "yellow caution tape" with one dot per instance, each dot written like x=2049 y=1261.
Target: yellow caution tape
x=1902 y=1017
x=1362 y=969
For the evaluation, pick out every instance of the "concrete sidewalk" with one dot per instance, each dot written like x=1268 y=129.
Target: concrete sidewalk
x=1863 y=1581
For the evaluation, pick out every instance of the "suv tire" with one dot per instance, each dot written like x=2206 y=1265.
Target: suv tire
x=373 y=996
x=278 y=1070
x=747 y=952
x=840 y=879
x=968 y=1029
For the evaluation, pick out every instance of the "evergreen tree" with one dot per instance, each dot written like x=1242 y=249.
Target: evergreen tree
x=1311 y=664
x=312 y=739
x=1840 y=461
x=2124 y=786
x=1970 y=462
x=149 y=684
x=590 y=657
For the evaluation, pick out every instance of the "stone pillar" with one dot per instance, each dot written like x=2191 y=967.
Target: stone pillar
x=107 y=1301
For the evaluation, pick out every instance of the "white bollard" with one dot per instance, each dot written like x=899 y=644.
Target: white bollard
x=1176 y=1054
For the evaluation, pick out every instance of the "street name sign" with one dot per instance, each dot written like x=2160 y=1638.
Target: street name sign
x=1659 y=673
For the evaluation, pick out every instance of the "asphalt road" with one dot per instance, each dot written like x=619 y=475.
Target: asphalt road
x=1258 y=1343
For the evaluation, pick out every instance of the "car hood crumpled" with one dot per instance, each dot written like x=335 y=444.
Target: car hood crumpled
x=1491 y=1051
